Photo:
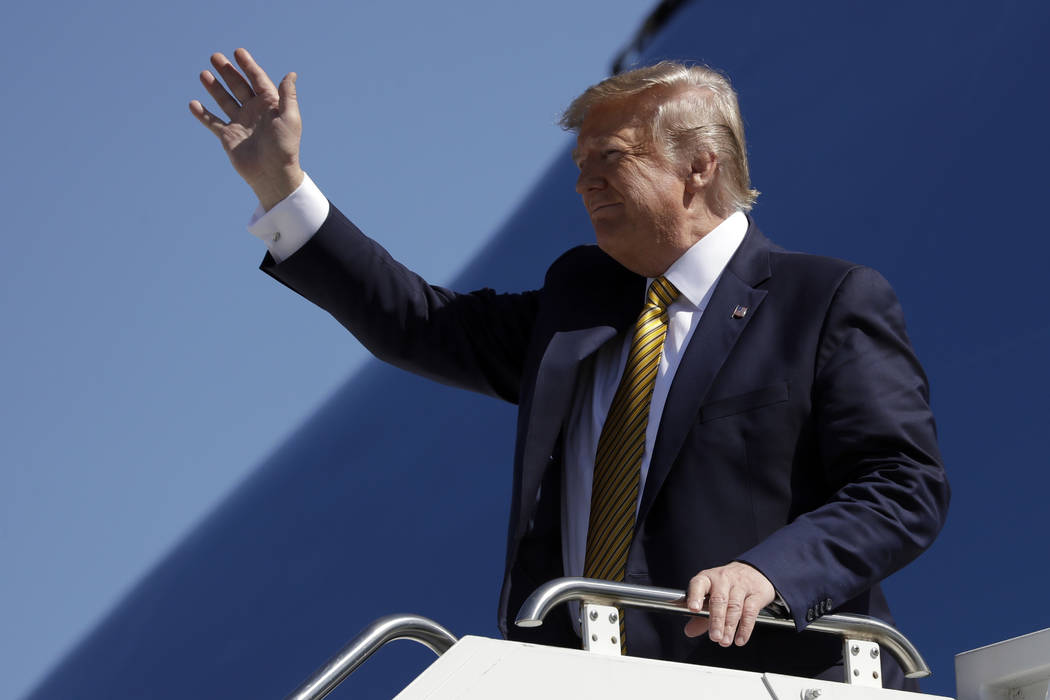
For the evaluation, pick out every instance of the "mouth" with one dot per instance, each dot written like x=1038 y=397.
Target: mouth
x=598 y=207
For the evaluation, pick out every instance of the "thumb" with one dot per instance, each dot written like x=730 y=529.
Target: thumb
x=288 y=103
x=697 y=626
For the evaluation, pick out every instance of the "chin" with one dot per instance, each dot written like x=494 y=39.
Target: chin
x=607 y=232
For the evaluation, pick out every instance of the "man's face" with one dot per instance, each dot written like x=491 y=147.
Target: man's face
x=633 y=194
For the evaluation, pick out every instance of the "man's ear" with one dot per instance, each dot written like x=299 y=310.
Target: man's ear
x=702 y=171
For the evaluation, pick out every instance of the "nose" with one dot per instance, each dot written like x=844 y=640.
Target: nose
x=588 y=179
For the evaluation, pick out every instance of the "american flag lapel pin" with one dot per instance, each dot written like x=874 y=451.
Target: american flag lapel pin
x=740 y=312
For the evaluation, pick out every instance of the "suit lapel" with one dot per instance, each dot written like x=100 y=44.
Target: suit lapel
x=555 y=384
x=707 y=351
x=593 y=304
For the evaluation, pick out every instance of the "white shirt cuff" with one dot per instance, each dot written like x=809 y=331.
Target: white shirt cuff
x=292 y=222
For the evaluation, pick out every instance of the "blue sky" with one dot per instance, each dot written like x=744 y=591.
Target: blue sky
x=146 y=365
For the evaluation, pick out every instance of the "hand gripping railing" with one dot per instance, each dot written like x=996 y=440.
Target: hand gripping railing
x=357 y=650
x=853 y=627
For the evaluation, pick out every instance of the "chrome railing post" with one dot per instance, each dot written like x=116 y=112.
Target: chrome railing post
x=386 y=629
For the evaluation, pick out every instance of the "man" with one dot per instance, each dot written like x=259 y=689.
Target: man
x=697 y=407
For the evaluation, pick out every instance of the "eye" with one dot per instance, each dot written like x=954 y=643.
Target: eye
x=611 y=153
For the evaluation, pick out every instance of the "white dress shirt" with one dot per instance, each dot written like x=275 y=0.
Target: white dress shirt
x=292 y=221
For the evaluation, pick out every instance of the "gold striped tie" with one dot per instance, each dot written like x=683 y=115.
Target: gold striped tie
x=617 y=465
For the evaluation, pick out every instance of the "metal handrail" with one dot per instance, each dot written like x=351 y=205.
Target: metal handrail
x=386 y=629
x=560 y=590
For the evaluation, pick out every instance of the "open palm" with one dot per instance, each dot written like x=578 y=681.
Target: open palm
x=264 y=129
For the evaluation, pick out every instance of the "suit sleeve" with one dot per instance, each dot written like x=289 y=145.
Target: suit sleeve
x=877 y=451
x=474 y=341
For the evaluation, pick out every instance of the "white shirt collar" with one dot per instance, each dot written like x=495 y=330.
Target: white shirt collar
x=697 y=270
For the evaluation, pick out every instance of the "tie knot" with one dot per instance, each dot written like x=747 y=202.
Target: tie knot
x=662 y=293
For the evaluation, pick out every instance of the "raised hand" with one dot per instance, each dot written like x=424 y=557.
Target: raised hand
x=264 y=129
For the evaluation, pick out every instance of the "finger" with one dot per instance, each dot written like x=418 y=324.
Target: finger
x=206 y=118
x=734 y=609
x=699 y=585
x=238 y=85
x=218 y=93
x=717 y=601
x=697 y=626
x=752 y=606
x=260 y=81
x=289 y=103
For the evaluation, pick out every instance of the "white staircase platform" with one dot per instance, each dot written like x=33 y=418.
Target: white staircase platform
x=478 y=668
x=1015 y=669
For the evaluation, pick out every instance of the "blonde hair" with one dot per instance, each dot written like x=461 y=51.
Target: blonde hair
x=700 y=114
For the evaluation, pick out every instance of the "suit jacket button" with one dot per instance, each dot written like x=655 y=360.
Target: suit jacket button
x=809 y=615
x=828 y=603
x=822 y=607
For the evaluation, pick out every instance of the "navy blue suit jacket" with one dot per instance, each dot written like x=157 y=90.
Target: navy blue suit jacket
x=797 y=438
